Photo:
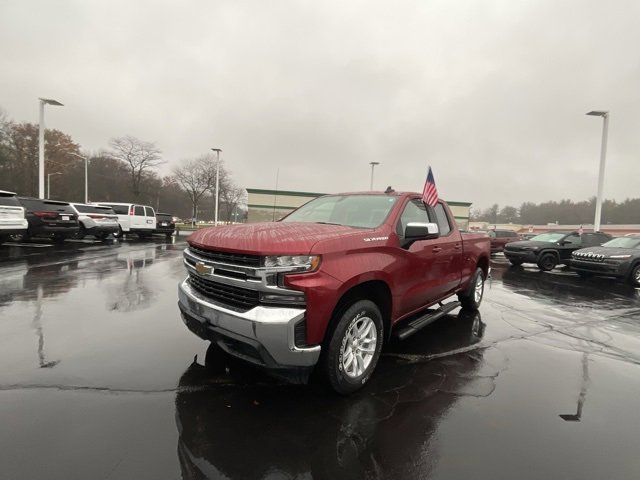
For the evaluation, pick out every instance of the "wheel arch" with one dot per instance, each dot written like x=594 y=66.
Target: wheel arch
x=377 y=291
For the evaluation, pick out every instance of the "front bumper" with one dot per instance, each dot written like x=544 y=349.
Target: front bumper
x=264 y=336
x=601 y=268
x=526 y=256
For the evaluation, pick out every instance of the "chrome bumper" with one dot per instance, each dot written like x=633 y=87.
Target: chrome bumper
x=267 y=330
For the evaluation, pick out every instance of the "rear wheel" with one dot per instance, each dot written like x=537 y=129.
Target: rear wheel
x=635 y=276
x=472 y=298
x=354 y=347
x=82 y=232
x=547 y=262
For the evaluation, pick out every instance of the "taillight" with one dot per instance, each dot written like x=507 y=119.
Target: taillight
x=131 y=210
x=46 y=214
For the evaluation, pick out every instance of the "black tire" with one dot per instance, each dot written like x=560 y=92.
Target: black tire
x=3 y=239
x=102 y=236
x=516 y=262
x=216 y=359
x=169 y=236
x=472 y=297
x=634 y=276
x=547 y=262
x=82 y=232
x=119 y=233
x=59 y=239
x=333 y=355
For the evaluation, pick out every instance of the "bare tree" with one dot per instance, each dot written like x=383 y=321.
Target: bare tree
x=196 y=177
x=231 y=198
x=140 y=156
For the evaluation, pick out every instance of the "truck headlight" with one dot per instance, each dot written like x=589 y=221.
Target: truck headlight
x=292 y=263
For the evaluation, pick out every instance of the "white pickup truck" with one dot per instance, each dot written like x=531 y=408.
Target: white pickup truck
x=133 y=218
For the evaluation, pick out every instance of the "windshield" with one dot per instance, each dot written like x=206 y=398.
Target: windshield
x=623 y=242
x=549 y=237
x=360 y=211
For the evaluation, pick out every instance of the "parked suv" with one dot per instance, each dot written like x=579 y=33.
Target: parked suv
x=619 y=258
x=552 y=248
x=330 y=283
x=165 y=224
x=12 y=216
x=96 y=220
x=133 y=218
x=49 y=218
x=499 y=238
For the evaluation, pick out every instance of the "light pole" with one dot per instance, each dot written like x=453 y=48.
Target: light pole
x=43 y=102
x=49 y=183
x=86 y=175
x=603 y=154
x=373 y=165
x=218 y=151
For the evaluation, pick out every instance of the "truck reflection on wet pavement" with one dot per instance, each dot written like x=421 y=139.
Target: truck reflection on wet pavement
x=99 y=378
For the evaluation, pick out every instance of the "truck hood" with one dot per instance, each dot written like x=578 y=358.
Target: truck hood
x=268 y=238
x=605 y=252
x=522 y=244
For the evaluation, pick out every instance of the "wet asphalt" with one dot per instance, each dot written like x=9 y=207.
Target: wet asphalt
x=99 y=378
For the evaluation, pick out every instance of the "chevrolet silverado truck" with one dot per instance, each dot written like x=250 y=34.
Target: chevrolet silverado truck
x=326 y=286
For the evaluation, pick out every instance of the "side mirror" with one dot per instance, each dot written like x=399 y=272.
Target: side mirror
x=421 y=231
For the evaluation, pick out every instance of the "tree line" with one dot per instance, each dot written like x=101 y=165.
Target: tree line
x=125 y=171
x=564 y=212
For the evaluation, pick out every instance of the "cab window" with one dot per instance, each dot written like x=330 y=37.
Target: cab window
x=414 y=211
x=442 y=220
x=138 y=211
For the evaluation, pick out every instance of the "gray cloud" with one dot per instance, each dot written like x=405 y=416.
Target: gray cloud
x=492 y=94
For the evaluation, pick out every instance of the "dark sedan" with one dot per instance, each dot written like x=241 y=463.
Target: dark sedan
x=552 y=248
x=165 y=224
x=619 y=258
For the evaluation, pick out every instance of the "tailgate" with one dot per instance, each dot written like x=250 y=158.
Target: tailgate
x=10 y=214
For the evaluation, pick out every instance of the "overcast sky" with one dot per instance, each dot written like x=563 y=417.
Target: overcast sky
x=492 y=94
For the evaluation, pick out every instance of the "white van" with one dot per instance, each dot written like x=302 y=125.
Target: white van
x=133 y=218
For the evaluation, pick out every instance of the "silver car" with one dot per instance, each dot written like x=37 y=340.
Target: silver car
x=96 y=220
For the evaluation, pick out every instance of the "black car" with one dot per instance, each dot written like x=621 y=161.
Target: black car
x=619 y=258
x=165 y=224
x=552 y=248
x=49 y=218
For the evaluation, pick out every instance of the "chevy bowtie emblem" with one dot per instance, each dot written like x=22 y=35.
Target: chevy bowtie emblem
x=202 y=269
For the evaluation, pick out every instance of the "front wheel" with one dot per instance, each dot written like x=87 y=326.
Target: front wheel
x=634 y=278
x=547 y=262
x=472 y=297
x=354 y=347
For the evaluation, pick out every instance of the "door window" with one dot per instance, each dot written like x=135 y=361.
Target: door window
x=443 y=220
x=149 y=212
x=415 y=211
x=573 y=240
x=138 y=211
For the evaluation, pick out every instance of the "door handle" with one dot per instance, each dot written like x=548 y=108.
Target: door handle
x=437 y=249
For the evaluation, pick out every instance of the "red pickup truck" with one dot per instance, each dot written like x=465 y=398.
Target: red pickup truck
x=328 y=284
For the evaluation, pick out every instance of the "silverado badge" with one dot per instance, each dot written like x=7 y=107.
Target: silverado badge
x=203 y=269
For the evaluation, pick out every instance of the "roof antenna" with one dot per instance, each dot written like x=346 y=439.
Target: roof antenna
x=389 y=190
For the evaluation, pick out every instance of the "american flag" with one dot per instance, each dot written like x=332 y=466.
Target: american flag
x=430 y=192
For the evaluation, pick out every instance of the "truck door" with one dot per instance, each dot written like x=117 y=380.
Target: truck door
x=448 y=250
x=418 y=284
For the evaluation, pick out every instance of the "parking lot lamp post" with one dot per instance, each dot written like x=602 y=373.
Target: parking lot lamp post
x=373 y=164
x=603 y=153
x=49 y=183
x=43 y=102
x=217 y=150
x=86 y=175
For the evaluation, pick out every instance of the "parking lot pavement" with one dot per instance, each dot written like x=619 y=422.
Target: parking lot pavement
x=100 y=379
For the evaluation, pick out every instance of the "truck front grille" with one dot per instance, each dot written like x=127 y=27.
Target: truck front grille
x=224 y=257
x=234 y=298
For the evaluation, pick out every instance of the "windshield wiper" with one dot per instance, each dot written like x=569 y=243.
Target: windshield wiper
x=329 y=223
